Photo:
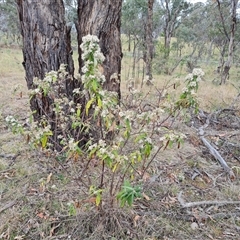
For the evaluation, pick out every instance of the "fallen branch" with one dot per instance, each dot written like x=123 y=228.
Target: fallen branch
x=212 y=150
x=195 y=204
x=8 y=205
x=218 y=157
x=11 y=156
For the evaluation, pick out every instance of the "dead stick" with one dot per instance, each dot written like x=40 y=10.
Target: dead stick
x=194 y=204
x=8 y=205
x=218 y=157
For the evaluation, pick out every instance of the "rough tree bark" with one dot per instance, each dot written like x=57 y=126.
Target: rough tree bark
x=149 y=40
x=46 y=44
x=103 y=18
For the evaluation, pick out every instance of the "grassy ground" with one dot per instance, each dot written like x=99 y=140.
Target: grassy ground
x=39 y=198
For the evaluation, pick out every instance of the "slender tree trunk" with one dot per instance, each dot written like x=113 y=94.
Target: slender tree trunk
x=102 y=18
x=46 y=45
x=167 y=41
x=134 y=59
x=149 y=40
x=228 y=63
x=129 y=41
x=210 y=51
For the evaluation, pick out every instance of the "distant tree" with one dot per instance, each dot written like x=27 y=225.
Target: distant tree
x=230 y=36
x=9 y=20
x=135 y=27
x=134 y=16
x=193 y=32
x=174 y=11
x=149 y=42
x=71 y=10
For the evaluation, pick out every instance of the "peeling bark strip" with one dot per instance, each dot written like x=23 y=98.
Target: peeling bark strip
x=46 y=41
x=105 y=23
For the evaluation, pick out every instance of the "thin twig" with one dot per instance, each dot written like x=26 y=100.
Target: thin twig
x=153 y=157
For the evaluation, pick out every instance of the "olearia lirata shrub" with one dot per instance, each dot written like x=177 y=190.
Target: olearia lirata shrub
x=139 y=133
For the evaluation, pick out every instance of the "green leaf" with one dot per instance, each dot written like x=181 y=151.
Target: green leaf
x=78 y=112
x=93 y=151
x=44 y=140
x=115 y=167
x=130 y=199
x=140 y=137
x=126 y=134
x=99 y=102
x=98 y=199
x=88 y=105
x=128 y=124
x=94 y=85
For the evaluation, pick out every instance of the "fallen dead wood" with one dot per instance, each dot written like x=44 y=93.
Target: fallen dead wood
x=212 y=150
x=8 y=205
x=218 y=157
x=195 y=204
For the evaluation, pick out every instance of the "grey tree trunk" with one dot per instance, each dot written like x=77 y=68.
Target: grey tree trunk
x=149 y=40
x=103 y=18
x=228 y=63
x=46 y=44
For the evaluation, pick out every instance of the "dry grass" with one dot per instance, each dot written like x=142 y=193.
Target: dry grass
x=39 y=199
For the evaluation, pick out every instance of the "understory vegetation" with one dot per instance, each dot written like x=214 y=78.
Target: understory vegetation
x=149 y=174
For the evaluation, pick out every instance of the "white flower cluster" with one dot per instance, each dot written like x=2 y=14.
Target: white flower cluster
x=102 y=149
x=193 y=79
x=36 y=133
x=198 y=72
x=92 y=57
x=72 y=145
x=52 y=83
x=13 y=123
x=90 y=46
x=172 y=136
x=196 y=75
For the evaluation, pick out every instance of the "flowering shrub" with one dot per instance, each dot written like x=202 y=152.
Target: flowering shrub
x=95 y=112
x=14 y=125
x=188 y=96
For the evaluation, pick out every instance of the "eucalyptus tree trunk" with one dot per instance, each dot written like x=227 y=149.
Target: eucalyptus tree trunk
x=228 y=63
x=149 y=40
x=103 y=18
x=46 y=45
x=168 y=28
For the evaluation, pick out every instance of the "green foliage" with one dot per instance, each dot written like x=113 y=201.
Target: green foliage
x=14 y=125
x=128 y=194
x=71 y=209
x=97 y=193
x=188 y=98
x=102 y=113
